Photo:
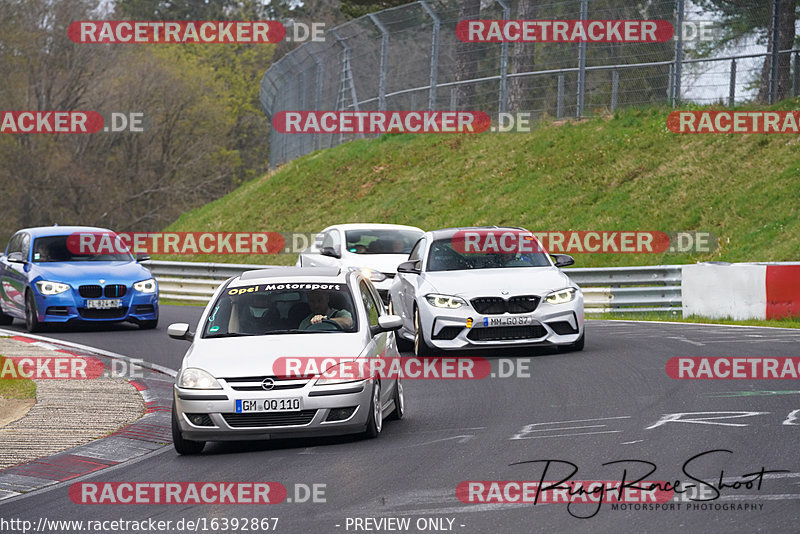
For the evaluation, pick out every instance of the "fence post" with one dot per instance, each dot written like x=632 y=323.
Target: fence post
x=317 y=89
x=732 y=88
x=434 y=55
x=677 y=71
x=582 y=63
x=502 y=105
x=453 y=92
x=796 y=77
x=384 y=61
x=614 y=89
x=560 y=97
x=773 y=67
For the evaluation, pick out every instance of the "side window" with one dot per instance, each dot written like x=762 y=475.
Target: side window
x=332 y=239
x=369 y=304
x=15 y=244
x=416 y=252
x=26 y=245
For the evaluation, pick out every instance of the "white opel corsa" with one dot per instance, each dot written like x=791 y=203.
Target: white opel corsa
x=232 y=386
x=469 y=288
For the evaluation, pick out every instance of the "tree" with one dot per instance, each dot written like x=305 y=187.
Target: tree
x=358 y=8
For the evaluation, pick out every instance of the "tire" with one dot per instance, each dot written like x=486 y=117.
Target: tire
x=421 y=348
x=399 y=402
x=375 y=420
x=32 y=323
x=403 y=345
x=148 y=325
x=577 y=346
x=184 y=446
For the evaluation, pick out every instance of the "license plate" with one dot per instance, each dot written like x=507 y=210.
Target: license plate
x=508 y=321
x=269 y=405
x=104 y=304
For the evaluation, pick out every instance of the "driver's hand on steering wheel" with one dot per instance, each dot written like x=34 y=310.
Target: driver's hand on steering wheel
x=318 y=319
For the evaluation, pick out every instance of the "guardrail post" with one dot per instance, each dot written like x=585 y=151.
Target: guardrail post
x=560 y=97
x=502 y=104
x=384 y=61
x=582 y=63
x=732 y=87
x=677 y=71
x=434 y=76
x=614 y=89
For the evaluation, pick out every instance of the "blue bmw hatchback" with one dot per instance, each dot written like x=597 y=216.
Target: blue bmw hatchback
x=45 y=280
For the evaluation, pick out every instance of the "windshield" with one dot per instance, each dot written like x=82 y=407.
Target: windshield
x=294 y=308
x=57 y=248
x=381 y=241
x=443 y=257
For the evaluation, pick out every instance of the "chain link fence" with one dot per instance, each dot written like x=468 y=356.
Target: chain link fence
x=409 y=58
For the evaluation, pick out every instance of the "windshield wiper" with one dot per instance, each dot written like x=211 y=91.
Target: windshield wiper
x=291 y=331
x=229 y=334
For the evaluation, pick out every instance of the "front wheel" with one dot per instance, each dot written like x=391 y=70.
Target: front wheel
x=375 y=421
x=184 y=446
x=577 y=346
x=403 y=345
x=399 y=402
x=32 y=323
x=421 y=348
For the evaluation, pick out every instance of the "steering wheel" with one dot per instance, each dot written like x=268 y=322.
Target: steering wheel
x=326 y=325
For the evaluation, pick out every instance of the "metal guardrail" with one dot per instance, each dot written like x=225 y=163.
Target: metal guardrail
x=612 y=289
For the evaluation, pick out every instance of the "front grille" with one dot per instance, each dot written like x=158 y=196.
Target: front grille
x=90 y=292
x=501 y=333
x=448 y=332
x=498 y=305
x=114 y=291
x=562 y=327
x=253 y=383
x=115 y=313
x=241 y=420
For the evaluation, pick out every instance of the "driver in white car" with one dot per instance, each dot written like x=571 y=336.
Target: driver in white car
x=319 y=303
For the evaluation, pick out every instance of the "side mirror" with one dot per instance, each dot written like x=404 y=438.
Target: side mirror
x=16 y=257
x=409 y=267
x=387 y=323
x=142 y=256
x=330 y=251
x=563 y=260
x=180 y=331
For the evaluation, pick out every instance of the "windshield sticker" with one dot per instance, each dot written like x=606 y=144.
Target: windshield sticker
x=282 y=287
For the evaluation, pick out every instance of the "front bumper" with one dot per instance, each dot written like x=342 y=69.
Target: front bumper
x=70 y=306
x=318 y=404
x=548 y=324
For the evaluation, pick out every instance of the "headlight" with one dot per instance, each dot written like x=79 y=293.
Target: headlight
x=192 y=378
x=561 y=296
x=344 y=373
x=51 y=288
x=146 y=286
x=375 y=276
x=444 y=301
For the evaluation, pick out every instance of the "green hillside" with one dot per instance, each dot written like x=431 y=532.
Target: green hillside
x=621 y=172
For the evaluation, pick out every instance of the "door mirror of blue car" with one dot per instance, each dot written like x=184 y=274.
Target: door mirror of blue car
x=16 y=257
x=142 y=256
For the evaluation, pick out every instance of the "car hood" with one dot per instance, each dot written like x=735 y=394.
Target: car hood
x=255 y=356
x=483 y=282
x=113 y=272
x=385 y=263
